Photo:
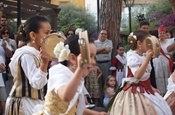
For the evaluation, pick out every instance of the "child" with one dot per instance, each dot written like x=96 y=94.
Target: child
x=92 y=84
x=170 y=94
x=66 y=81
x=118 y=64
x=136 y=95
x=110 y=87
x=29 y=68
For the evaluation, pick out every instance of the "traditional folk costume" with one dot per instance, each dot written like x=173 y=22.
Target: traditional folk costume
x=59 y=75
x=170 y=94
x=137 y=96
x=29 y=81
x=118 y=67
x=162 y=67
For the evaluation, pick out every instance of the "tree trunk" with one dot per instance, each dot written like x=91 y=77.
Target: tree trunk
x=110 y=19
x=1 y=11
x=172 y=2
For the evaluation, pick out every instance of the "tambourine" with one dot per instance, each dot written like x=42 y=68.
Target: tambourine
x=153 y=43
x=84 y=48
x=50 y=42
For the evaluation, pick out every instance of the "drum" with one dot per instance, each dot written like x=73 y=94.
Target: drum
x=84 y=48
x=49 y=43
x=153 y=43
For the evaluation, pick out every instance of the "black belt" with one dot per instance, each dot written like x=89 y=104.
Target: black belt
x=104 y=61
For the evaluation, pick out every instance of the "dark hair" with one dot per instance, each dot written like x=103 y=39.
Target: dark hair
x=144 y=22
x=3 y=32
x=138 y=35
x=107 y=85
x=104 y=30
x=120 y=45
x=3 y=17
x=70 y=29
x=74 y=47
x=72 y=41
x=169 y=32
x=32 y=24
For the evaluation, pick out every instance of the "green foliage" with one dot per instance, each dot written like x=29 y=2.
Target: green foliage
x=12 y=24
x=160 y=6
x=157 y=11
x=74 y=17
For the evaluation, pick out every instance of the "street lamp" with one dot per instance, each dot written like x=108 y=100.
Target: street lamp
x=129 y=4
x=98 y=12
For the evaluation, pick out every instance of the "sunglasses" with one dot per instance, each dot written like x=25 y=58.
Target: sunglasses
x=70 y=34
x=5 y=32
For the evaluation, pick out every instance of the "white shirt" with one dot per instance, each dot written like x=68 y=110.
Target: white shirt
x=36 y=77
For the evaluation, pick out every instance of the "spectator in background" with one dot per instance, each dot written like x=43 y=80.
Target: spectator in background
x=92 y=84
x=118 y=63
x=109 y=89
x=3 y=24
x=103 y=57
x=70 y=32
x=168 y=34
x=3 y=94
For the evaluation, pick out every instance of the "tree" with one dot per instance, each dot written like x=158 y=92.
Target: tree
x=74 y=17
x=172 y=2
x=110 y=19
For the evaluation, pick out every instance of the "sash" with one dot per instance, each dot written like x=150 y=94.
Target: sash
x=169 y=59
x=122 y=60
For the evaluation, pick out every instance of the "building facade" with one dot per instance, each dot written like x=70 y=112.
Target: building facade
x=80 y=3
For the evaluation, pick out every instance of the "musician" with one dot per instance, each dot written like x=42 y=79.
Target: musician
x=136 y=95
x=29 y=68
x=66 y=81
x=144 y=25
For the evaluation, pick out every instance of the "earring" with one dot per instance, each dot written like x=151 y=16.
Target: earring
x=33 y=41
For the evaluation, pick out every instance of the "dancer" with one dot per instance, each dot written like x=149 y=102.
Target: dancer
x=136 y=95
x=29 y=68
x=66 y=81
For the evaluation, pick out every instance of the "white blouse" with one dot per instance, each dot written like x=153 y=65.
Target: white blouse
x=36 y=77
x=59 y=75
x=134 y=61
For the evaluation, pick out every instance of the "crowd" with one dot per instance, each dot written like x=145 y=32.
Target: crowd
x=130 y=82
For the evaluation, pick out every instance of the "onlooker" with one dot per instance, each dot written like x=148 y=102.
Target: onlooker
x=118 y=64
x=168 y=34
x=70 y=32
x=3 y=94
x=92 y=84
x=103 y=57
x=109 y=89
